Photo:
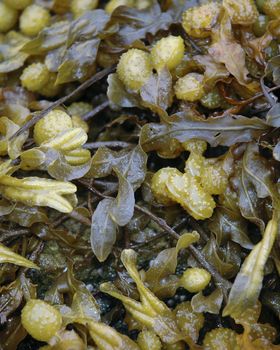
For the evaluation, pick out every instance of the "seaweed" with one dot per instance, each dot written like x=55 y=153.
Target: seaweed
x=139 y=175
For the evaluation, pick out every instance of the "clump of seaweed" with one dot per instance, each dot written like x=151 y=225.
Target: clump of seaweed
x=139 y=175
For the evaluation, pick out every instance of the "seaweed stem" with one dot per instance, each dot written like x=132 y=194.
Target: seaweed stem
x=109 y=144
x=160 y=235
x=95 y=111
x=11 y=234
x=266 y=94
x=258 y=95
